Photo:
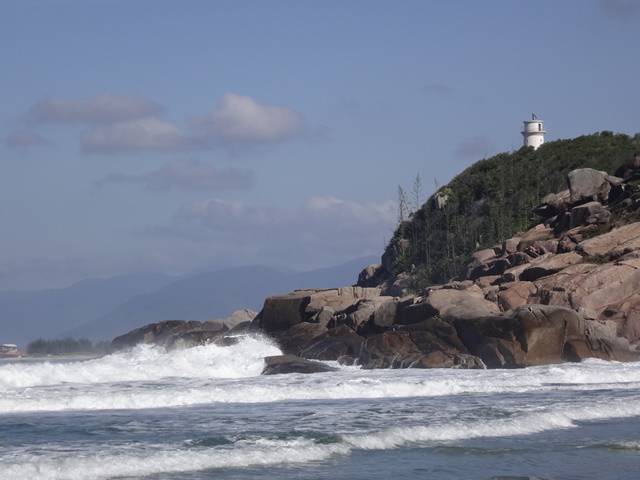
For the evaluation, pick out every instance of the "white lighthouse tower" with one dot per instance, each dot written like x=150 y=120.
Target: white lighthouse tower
x=533 y=132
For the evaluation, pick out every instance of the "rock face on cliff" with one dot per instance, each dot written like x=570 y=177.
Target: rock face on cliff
x=567 y=289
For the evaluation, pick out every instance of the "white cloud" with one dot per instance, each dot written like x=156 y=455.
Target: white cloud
x=96 y=109
x=185 y=175
x=124 y=123
x=140 y=134
x=239 y=119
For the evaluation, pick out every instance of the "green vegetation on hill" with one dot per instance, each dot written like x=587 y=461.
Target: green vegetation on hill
x=491 y=201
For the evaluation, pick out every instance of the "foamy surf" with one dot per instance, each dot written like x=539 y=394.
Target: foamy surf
x=136 y=461
x=129 y=463
x=517 y=425
x=273 y=423
x=211 y=374
x=145 y=363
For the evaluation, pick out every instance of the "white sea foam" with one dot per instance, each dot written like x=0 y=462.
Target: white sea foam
x=625 y=445
x=145 y=460
x=128 y=464
x=520 y=424
x=149 y=377
x=145 y=363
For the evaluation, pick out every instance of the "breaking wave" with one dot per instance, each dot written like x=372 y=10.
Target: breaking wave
x=129 y=461
x=524 y=424
x=148 y=377
x=145 y=363
x=262 y=452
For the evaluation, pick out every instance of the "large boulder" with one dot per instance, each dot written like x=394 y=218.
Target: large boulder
x=452 y=304
x=516 y=294
x=590 y=288
x=513 y=274
x=296 y=338
x=614 y=243
x=553 y=204
x=538 y=233
x=415 y=313
x=281 y=312
x=434 y=334
x=596 y=339
x=280 y=364
x=335 y=343
x=626 y=315
x=589 y=213
x=510 y=245
x=530 y=335
x=362 y=313
x=549 y=266
x=386 y=313
x=397 y=349
x=588 y=184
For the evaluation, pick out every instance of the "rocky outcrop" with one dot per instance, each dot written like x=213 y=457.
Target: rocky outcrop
x=339 y=342
x=612 y=244
x=171 y=333
x=596 y=339
x=295 y=339
x=281 y=312
x=515 y=294
x=455 y=304
x=529 y=335
x=549 y=266
x=413 y=349
x=588 y=184
x=567 y=289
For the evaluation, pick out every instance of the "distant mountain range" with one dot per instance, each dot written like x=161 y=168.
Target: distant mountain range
x=104 y=308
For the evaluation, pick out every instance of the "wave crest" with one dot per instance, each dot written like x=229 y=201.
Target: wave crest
x=146 y=363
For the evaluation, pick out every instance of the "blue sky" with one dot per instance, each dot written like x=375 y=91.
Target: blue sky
x=181 y=136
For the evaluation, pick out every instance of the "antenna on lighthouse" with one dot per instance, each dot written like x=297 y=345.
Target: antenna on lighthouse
x=533 y=132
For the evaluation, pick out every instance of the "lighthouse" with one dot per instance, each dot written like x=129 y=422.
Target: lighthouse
x=533 y=132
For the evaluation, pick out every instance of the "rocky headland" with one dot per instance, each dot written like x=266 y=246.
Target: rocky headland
x=566 y=289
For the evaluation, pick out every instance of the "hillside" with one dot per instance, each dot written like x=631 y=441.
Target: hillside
x=491 y=201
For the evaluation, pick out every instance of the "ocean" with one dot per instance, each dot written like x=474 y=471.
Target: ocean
x=206 y=413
